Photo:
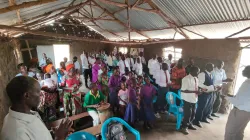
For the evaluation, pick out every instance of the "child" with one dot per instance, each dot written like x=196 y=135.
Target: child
x=138 y=66
x=123 y=98
x=147 y=93
x=189 y=92
x=48 y=82
x=131 y=109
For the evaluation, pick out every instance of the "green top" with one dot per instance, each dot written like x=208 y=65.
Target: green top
x=90 y=99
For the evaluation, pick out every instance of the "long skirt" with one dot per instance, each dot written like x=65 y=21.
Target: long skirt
x=113 y=97
x=72 y=103
x=147 y=112
x=130 y=113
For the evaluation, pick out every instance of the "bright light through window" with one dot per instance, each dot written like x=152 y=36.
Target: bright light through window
x=123 y=50
x=60 y=51
x=176 y=53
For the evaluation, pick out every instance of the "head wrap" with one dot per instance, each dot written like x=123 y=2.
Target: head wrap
x=69 y=66
x=48 y=68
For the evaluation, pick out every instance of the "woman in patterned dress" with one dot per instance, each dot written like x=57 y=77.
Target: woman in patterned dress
x=104 y=82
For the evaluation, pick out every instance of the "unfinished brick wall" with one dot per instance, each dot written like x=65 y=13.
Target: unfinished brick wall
x=204 y=51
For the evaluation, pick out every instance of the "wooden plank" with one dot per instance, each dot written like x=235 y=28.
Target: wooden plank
x=24 y=5
x=28 y=46
x=96 y=130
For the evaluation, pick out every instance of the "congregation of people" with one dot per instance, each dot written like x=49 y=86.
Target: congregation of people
x=127 y=82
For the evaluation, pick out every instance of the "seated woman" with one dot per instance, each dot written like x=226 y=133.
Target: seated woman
x=92 y=101
x=103 y=81
x=71 y=94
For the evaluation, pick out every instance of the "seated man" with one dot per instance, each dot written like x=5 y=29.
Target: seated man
x=21 y=123
x=92 y=101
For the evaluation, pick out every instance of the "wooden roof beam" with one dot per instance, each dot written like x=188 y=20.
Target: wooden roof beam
x=24 y=5
x=238 y=32
x=119 y=22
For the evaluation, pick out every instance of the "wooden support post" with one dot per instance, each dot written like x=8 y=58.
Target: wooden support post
x=128 y=20
x=118 y=21
x=28 y=46
x=24 y=5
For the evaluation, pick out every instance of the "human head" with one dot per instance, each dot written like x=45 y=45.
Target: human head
x=65 y=59
x=246 y=72
x=128 y=55
x=209 y=67
x=133 y=83
x=164 y=66
x=39 y=75
x=74 y=59
x=24 y=90
x=62 y=65
x=44 y=55
x=123 y=57
x=180 y=63
x=93 y=87
x=146 y=79
x=22 y=68
x=140 y=79
x=70 y=68
x=191 y=61
x=116 y=71
x=98 y=60
x=141 y=54
x=47 y=76
x=159 y=59
x=138 y=60
x=220 y=64
x=194 y=71
x=48 y=61
x=170 y=57
x=104 y=70
x=123 y=85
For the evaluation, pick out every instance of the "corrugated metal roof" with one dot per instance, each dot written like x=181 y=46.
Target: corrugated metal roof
x=189 y=12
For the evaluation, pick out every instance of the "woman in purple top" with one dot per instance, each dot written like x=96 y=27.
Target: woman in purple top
x=95 y=68
x=130 y=114
x=114 y=84
x=147 y=113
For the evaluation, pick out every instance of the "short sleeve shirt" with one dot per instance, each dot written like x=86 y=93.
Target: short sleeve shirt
x=90 y=99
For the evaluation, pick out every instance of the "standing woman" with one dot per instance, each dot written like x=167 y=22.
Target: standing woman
x=71 y=93
x=103 y=81
x=114 y=84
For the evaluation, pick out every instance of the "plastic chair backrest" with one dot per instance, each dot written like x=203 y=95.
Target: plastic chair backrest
x=81 y=135
x=171 y=98
x=106 y=123
x=179 y=93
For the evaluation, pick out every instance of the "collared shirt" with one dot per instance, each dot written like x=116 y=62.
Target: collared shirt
x=151 y=63
x=218 y=76
x=177 y=73
x=85 y=64
x=161 y=79
x=30 y=74
x=202 y=78
x=130 y=61
x=143 y=61
x=156 y=67
x=91 y=99
x=122 y=64
x=242 y=98
x=21 y=126
x=77 y=65
x=189 y=83
x=110 y=60
x=169 y=64
x=138 y=68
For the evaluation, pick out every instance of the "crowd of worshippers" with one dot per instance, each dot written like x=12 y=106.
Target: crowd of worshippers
x=130 y=85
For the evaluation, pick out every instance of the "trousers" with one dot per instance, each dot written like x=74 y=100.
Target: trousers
x=217 y=101
x=87 y=74
x=95 y=117
x=204 y=106
x=189 y=113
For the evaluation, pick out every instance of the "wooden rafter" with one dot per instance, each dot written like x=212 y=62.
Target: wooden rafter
x=128 y=20
x=137 y=2
x=194 y=32
x=92 y=19
x=238 y=32
x=69 y=37
x=11 y=3
x=24 y=5
x=125 y=5
x=118 y=21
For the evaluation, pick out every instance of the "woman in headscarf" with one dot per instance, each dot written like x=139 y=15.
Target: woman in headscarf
x=71 y=94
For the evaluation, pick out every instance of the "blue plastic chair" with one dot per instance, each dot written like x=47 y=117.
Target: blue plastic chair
x=155 y=97
x=81 y=135
x=174 y=109
x=106 y=123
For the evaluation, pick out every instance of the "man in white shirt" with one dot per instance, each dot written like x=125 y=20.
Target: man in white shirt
x=219 y=77
x=163 y=80
x=86 y=67
x=240 y=115
x=157 y=66
x=77 y=64
x=130 y=61
x=21 y=123
x=189 y=95
x=169 y=61
x=151 y=63
x=205 y=100
x=123 y=65
x=110 y=61
x=23 y=71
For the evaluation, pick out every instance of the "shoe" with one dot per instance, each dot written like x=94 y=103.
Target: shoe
x=205 y=121
x=150 y=126
x=214 y=115
x=157 y=115
x=191 y=127
x=198 y=124
x=185 y=131
x=210 y=118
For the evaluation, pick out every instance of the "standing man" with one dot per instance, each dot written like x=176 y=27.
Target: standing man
x=189 y=94
x=169 y=61
x=151 y=63
x=205 y=103
x=143 y=61
x=110 y=61
x=123 y=65
x=240 y=115
x=21 y=123
x=219 y=76
x=86 y=67
x=130 y=61
x=77 y=65
x=191 y=64
x=178 y=72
